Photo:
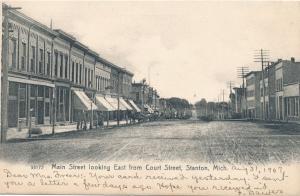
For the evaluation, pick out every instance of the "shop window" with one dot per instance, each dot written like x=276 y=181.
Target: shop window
x=12 y=113
x=40 y=91
x=22 y=101
x=22 y=109
x=47 y=95
x=67 y=105
x=13 y=89
x=32 y=91
x=61 y=95
x=292 y=106
x=22 y=91
x=32 y=107
x=47 y=109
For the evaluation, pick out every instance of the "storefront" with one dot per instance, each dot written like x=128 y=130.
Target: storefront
x=62 y=104
x=104 y=109
x=83 y=107
x=29 y=99
x=114 y=103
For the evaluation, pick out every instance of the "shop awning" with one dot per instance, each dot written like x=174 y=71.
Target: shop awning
x=146 y=106
x=125 y=104
x=136 y=108
x=114 y=103
x=103 y=105
x=30 y=81
x=82 y=101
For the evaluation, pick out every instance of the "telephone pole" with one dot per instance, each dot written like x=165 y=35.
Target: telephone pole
x=230 y=84
x=5 y=62
x=262 y=56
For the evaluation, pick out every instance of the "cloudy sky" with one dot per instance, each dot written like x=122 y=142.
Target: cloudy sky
x=189 y=49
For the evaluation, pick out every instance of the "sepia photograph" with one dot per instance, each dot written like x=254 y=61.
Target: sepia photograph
x=150 y=97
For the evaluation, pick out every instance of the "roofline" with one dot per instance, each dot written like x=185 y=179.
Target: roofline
x=252 y=72
x=31 y=21
x=66 y=35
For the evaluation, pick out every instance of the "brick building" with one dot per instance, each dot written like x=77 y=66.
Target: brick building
x=54 y=79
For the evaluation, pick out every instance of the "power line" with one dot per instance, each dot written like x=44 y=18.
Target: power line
x=262 y=56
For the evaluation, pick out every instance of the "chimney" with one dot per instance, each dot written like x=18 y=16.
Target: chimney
x=292 y=59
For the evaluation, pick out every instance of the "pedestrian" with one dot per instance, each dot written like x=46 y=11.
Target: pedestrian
x=100 y=119
x=84 y=120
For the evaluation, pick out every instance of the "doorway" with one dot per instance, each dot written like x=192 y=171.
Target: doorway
x=40 y=112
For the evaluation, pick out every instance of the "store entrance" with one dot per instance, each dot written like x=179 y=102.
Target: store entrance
x=40 y=112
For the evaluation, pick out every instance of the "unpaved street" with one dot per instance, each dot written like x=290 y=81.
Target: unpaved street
x=213 y=142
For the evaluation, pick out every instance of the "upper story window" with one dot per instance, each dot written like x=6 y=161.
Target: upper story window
x=76 y=75
x=73 y=67
x=66 y=66
x=41 y=61
x=85 y=77
x=32 y=59
x=279 y=84
x=48 y=63
x=55 y=63
x=89 y=77
x=92 y=78
x=13 y=53
x=61 y=65
x=80 y=70
x=23 y=57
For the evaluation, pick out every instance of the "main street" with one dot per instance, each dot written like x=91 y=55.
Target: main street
x=213 y=142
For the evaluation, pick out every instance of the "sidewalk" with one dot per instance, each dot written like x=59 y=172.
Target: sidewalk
x=15 y=133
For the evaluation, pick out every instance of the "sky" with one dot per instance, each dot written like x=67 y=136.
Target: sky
x=186 y=49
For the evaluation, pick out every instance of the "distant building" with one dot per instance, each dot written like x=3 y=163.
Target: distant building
x=279 y=98
x=287 y=79
x=145 y=96
x=253 y=94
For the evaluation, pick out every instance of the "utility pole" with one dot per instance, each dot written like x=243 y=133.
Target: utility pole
x=241 y=73
x=118 y=94
x=230 y=84
x=143 y=89
x=262 y=56
x=5 y=62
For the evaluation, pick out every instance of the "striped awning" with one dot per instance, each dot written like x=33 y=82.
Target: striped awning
x=103 y=105
x=125 y=104
x=83 y=102
x=149 y=109
x=136 y=108
x=114 y=103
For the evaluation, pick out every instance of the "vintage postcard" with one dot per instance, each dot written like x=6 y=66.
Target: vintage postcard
x=150 y=98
